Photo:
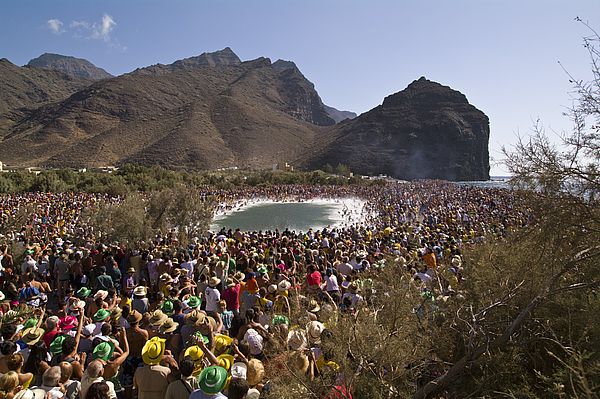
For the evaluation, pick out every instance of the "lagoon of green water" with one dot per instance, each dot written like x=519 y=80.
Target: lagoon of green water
x=269 y=216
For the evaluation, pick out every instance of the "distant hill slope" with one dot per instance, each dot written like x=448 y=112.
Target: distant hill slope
x=75 y=67
x=214 y=111
x=424 y=131
x=23 y=89
x=338 y=115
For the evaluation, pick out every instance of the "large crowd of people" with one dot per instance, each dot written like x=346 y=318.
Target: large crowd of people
x=88 y=319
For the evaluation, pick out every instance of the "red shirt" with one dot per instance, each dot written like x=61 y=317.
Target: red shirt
x=231 y=296
x=49 y=337
x=314 y=279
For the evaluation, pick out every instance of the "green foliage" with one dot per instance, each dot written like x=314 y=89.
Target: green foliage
x=139 y=178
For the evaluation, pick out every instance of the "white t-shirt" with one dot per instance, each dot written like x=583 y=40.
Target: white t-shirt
x=213 y=296
x=332 y=283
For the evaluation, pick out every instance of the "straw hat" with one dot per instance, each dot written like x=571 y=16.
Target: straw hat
x=115 y=313
x=140 y=291
x=296 y=340
x=214 y=281
x=134 y=316
x=313 y=306
x=194 y=316
x=256 y=372
x=229 y=282
x=101 y=294
x=212 y=379
x=168 y=326
x=272 y=288
x=153 y=351
x=314 y=330
x=239 y=276
x=32 y=335
x=165 y=278
x=77 y=305
x=131 y=270
x=204 y=324
x=157 y=318
x=284 y=285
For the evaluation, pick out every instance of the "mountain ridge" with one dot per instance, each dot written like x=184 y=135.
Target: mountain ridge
x=214 y=110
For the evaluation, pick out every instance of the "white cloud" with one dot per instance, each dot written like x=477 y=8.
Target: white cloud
x=108 y=24
x=82 y=29
x=95 y=30
x=55 y=26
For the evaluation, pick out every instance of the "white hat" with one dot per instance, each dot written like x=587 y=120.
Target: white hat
x=88 y=330
x=314 y=330
x=253 y=393
x=239 y=370
x=272 y=288
x=284 y=285
x=2 y=296
x=101 y=294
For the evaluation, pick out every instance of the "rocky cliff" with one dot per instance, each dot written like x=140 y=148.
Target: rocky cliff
x=425 y=131
x=71 y=66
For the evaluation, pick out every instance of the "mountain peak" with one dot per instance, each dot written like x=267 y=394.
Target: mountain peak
x=427 y=91
x=75 y=67
x=217 y=58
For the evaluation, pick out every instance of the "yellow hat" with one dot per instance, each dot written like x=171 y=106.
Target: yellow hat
x=222 y=342
x=196 y=354
x=153 y=351
x=225 y=361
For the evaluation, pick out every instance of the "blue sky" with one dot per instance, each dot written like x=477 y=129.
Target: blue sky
x=502 y=54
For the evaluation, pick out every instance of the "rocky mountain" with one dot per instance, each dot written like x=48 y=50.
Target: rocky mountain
x=24 y=89
x=338 y=115
x=424 y=131
x=214 y=111
x=71 y=66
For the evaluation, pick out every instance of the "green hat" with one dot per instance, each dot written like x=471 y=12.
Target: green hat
x=83 y=292
x=167 y=307
x=212 y=379
x=193 y=302
x=101 y=315
x=30 y=323
x=199 y=336
x=56 y=345
x=263 y=270
x=280 y=319
x=103 y=351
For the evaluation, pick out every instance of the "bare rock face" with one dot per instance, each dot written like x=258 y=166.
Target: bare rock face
x=425 y=131
x=303 y=101
x=71 y=66
x=217 y=58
